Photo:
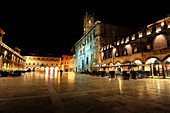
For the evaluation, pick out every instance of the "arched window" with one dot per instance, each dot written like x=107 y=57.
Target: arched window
x=160 y=42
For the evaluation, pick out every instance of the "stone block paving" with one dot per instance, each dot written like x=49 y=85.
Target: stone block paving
x=37 y=92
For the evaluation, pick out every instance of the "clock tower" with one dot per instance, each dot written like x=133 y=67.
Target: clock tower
x=88 y=22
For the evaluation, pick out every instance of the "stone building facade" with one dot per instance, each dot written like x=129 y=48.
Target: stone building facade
x=10 y=59
x=97 y=34
x=149 y=48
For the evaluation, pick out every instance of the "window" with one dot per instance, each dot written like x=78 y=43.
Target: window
x=51 y=64
x=118 y=42
x=66 y=62
x=148 y=47
x=43 y=58
x=135 y=50
x=38 y=63
x=140 y=34
x=87 y=60
x=29 y=63
x=116 y=54
x=29 y=58
x=92 y=55
x=127 y=40
x=33 y=63
x=38 y=58
x=133 y=37
x=122 y=42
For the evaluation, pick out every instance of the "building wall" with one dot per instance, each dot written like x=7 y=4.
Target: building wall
x=10 y=59
x=88 y=47
x=40 y=63
x=147 y=46
x=65 y=62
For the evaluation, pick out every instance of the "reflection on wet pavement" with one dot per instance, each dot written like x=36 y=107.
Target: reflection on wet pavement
x=79 y=93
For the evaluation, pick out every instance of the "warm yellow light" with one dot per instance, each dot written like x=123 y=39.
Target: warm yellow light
x=162 y=24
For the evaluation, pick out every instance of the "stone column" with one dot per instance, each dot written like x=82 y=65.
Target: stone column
x=163 y=69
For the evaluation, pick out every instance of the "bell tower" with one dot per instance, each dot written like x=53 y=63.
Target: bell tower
x=88 y=22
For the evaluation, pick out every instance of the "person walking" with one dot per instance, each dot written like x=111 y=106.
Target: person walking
x=61 y=71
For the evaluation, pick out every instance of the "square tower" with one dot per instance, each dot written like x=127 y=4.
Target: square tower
x=88 y=22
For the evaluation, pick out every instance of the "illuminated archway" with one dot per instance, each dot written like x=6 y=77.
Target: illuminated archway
x=167 y=66
x=156 y=66
x=129 y=49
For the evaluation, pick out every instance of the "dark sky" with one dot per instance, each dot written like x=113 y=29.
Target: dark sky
x=56 y=27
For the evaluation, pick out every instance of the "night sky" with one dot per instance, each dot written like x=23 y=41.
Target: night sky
x=50 y=27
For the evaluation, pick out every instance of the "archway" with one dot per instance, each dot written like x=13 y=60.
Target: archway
x=156 y=66
x=167 y=66
x=139 y=65
x=128 y=49
x=51 y=69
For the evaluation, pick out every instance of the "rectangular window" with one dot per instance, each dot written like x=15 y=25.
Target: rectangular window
x=38 y=58
x=148 y=47
x=133 y=37
x=127 y=40
x=135 y=50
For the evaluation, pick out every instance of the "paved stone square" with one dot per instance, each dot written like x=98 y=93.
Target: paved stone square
x=37 y=92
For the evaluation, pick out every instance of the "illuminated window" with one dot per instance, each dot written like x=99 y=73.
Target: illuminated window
x=140 y=34
x=118 y=42
x=108 y=46
x=135 y=50
x=149 y=30
x=66 y=62
x=148 y=47
x=168 y=23
x=122 y=42
x=133 y=37
x=92 y=56
x=127 y=40
x=116 y=54
x=158 y=28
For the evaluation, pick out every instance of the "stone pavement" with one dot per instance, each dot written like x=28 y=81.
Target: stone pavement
x=37 y=92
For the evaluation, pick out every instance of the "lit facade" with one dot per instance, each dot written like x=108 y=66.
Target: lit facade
x=96 y=34
x=40 y=63
x=72 y=64
x=10 y=60
x=65 y=62
x=148 y=48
